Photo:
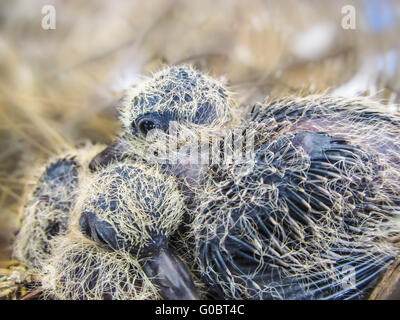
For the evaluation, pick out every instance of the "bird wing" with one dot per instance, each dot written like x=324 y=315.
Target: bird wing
x=303 y=224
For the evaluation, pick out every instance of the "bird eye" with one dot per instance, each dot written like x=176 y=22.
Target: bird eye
x=145 y=126
x=149 y=121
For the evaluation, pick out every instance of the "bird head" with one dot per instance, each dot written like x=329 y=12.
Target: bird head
x=129 y=207
x=172 y=108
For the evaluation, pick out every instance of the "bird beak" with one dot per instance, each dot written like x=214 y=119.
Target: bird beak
x=171 y=276
x=113 y=152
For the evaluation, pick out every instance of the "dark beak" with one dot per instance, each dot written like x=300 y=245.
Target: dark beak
x=171 y=276
x=114 y=152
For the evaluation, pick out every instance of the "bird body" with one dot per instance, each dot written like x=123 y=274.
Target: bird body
x=316 y=216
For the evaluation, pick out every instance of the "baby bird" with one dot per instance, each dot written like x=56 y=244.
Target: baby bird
x=317 y=216
x=316 y=213
x=103 y=235
x=47 y=213
x=174 y=96
x=117 y=245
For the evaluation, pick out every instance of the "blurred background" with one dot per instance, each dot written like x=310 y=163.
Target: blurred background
x=59 y=87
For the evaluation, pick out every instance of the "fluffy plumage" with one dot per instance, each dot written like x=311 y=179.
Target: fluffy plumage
x=91 y=235
x=317 y=215
x=48 y=208
x=118 y=241
x=174 y=101
x=80 y=270
x=130 y=207
x=177 y=93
